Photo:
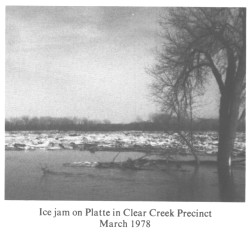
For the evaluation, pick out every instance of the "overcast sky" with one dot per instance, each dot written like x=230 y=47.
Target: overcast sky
x=82 y=61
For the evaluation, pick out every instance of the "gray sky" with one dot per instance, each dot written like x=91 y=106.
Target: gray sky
x=82 y=61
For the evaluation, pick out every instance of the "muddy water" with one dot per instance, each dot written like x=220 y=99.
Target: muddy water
x=24 y=179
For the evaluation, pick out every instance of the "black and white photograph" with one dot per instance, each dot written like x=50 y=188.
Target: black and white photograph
x=125 y=103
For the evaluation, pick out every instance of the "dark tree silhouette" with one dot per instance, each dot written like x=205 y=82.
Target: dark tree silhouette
x=201 y=44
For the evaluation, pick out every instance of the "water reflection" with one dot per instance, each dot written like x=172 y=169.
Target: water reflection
x=188 y=183
x=169 y=182
x=193 y=186
x=226 y=184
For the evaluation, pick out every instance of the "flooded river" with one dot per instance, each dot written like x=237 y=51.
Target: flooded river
x=25 y=180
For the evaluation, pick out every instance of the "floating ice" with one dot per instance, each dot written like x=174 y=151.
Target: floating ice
x=205 y=142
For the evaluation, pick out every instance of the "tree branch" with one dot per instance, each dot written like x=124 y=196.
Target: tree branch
x=216 y=73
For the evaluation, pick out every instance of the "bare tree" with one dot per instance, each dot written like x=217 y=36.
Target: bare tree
x=200 y=44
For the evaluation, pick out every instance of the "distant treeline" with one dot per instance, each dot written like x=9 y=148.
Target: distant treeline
x=157 y=122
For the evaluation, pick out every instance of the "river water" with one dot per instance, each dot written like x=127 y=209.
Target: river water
x=25 y=180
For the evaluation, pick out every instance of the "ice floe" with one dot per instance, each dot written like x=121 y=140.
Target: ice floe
x=205 y=142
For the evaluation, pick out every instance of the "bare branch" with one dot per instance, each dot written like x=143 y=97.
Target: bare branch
x=216 y=73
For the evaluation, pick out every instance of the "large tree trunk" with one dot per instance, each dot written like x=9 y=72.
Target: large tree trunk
x=228 y=123
x=227 y=130
x=229 y=111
